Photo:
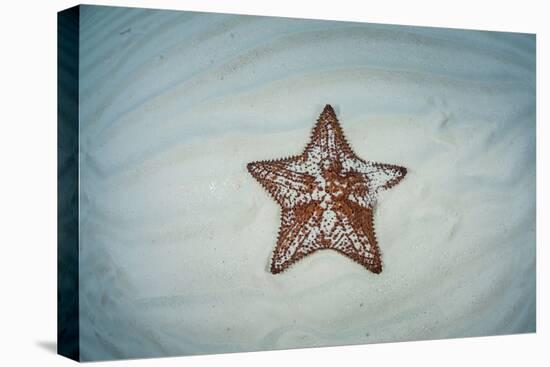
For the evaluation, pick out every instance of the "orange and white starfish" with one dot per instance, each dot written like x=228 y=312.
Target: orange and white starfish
x=327 y=195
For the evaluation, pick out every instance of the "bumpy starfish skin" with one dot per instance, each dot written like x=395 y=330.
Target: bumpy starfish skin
x=327 y=195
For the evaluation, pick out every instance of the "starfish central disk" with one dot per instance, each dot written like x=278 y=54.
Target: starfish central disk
x=327 y=197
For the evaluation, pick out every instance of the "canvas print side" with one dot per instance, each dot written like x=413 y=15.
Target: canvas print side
x=67 y=183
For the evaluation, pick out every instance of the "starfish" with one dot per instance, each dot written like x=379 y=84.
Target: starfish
x=327 y=197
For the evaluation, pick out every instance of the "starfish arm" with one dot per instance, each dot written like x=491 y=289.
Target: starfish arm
x=327 y=142
x=281 y=178
x=354 y=236
x=298 y=236
x=359 y=190
x=366 y=200
x=380 y=176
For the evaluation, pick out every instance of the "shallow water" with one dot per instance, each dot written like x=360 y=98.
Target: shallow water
x=176 y=236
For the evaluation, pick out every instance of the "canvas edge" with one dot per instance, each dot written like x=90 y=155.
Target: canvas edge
x=68 y=331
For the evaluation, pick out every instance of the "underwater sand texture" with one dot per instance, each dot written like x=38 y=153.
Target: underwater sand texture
x=176 y=236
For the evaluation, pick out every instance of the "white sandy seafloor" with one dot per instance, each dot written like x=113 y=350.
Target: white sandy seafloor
x=176 y=236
